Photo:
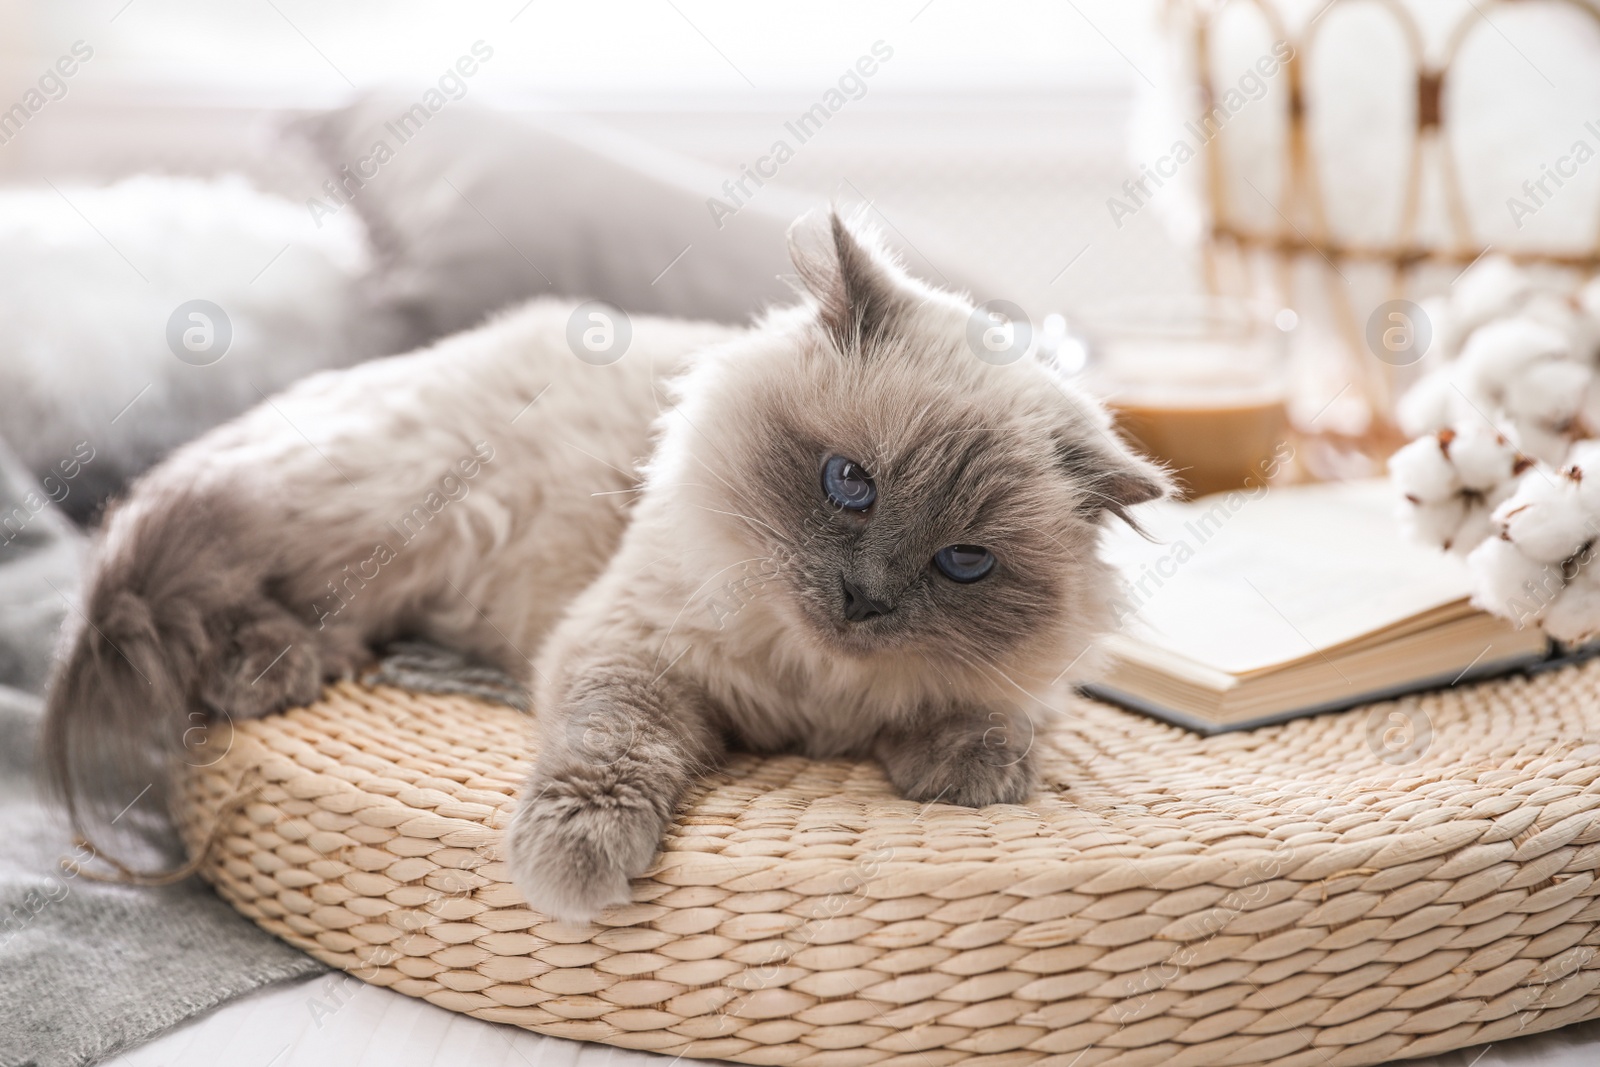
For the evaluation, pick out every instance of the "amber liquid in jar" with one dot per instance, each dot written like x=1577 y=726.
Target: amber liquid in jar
x=1211 y=448
x=1205 y=399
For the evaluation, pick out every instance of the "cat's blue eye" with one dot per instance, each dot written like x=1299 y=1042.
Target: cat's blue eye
x=964 y=563
x=847 y=484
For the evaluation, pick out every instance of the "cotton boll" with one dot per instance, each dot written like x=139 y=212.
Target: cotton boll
x=1567 y=314
x=1588 y=300
x=1574 y=616
x=1549 y=393
x=1436 y=523
x=1508 y=584
x=1445 y=324
x=1477 y=523
x=1490 y=288
x=1484 y=460
x=1589 y=417
x=1497 y=353
x=1585 y=455
x=1585 y=334
x=1545 y=519
x=1583 y=465
x=1422 y=470
x=1519 y=338
x=1548 y=446
x=1550 y=308
x=1430 y=405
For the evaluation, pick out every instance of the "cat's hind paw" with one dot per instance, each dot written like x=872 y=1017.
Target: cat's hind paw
x=261 y=663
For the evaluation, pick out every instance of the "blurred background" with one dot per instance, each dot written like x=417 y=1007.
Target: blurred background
x=1209 y=208
x=1002 y=126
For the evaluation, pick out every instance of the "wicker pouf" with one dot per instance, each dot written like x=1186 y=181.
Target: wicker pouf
x=1389 y=882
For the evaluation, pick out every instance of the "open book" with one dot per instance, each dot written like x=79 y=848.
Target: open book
x=1249 y=609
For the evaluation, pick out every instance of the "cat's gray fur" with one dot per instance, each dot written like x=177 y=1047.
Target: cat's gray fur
x=666 y=620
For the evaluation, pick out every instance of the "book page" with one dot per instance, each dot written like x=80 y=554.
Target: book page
x=1244 y=582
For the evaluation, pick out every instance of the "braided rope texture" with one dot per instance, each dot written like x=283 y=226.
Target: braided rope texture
x=1389 y=882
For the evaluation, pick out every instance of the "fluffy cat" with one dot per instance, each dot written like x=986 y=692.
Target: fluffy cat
x=852 y=537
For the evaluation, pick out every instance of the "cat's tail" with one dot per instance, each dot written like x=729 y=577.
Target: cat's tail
x=173 y=613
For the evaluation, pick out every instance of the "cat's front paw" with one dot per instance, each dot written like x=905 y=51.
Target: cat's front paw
x=962 y=764
x=572 y=856
x=973 y=781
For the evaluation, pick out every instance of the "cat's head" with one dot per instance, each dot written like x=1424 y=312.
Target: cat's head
x=894 y=494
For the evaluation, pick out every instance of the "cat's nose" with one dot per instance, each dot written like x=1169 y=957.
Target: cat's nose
x=858 y=606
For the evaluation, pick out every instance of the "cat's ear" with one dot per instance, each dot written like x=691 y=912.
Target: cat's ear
x=1112 y=475
x=860 y=290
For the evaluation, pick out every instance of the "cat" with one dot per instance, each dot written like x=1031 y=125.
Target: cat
x=851 y=537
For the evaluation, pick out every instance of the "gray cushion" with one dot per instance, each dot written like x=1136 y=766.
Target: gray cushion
x=478 y=209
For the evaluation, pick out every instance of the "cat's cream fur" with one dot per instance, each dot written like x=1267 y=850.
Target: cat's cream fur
x=664 y=620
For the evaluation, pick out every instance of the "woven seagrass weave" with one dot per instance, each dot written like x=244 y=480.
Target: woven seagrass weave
x=1389 y=882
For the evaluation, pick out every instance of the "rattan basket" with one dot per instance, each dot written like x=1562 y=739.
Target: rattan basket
x=1378 y=165
x=1384 y=883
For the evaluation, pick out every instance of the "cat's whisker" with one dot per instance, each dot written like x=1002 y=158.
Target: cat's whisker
x=691 y=598
x=1088 y=487
x=938 y=668
x=754 y=521
x=642 y=486
x=975 y=659
x=690 y=423
x=708 y=469
x=1064 y=712
x=1021 y=711
x=1036 y=528
x=782 y=540
x=634 y=475
x=647 y=566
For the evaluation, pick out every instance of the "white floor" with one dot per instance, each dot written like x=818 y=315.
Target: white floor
x=321 y=1023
